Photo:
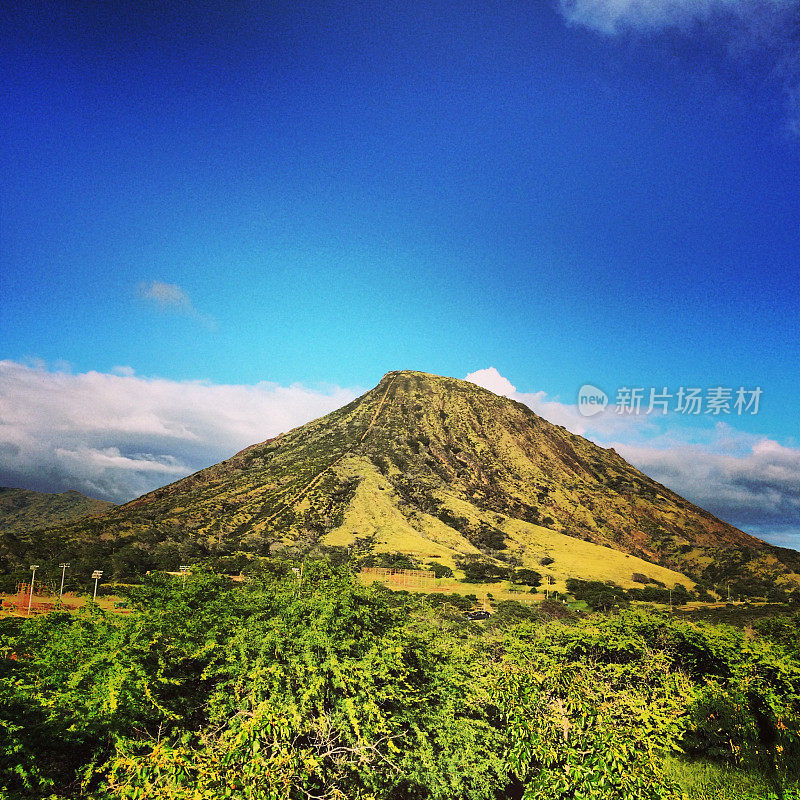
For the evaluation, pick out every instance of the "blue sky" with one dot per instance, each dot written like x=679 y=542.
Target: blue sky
x=312 y=193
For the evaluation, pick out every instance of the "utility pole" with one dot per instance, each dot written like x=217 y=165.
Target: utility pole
x=34 y=567
x=97 y=574
x=63 y=572
x=184 y=570
x=670 y=601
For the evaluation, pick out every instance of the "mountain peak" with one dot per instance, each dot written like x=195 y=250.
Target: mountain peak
x=414 y=381
x=416 y=378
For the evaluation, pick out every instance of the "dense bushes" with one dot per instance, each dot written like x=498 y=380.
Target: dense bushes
x=325 y=688
x=440 y=570
x=389 y=561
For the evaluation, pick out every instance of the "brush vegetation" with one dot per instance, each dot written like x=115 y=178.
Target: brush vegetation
x=324 y=688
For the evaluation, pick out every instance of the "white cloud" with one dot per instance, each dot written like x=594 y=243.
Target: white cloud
x=766 y=477
x=171 y=297
x=492 y=380
x=751 y=481
x=756 y=489
x=118 y=435
x=167 y=295
x=613 y=16
x=87 y=460
x=765 y=31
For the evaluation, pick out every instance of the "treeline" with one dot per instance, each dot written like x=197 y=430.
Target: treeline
x=320 y=687
x=605 y=595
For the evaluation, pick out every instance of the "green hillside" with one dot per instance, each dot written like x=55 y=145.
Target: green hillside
x=22 y=510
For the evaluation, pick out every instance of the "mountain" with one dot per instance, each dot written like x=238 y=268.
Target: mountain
x=439 y=469
x=23 y=510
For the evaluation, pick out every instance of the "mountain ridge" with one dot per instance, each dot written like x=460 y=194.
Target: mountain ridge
x=23 y=509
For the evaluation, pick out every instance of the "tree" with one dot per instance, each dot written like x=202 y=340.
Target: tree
x=598 y=595
x=440 y=570
x=529 y=577
x=480 y=571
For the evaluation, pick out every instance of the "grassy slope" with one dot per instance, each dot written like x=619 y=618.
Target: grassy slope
x=437 y=467
x=374 y=516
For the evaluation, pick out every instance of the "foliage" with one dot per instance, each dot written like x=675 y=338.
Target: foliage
x=573 y=738
x=440 y=570
x=281 y=688
x=510 y=612
x=455 y=601
x=785 y=630
x=389 y=561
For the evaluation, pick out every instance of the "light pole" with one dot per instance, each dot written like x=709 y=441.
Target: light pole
x=63 y=572
x=97 y=574
x=34 y=567
x=184 y=570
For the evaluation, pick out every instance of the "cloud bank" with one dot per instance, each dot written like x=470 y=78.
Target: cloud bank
x=116 y=436
x=765 y=32
x=758 y=491
x=751 y=481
